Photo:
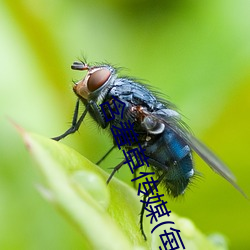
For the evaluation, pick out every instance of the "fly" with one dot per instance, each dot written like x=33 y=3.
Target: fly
x=164 y=137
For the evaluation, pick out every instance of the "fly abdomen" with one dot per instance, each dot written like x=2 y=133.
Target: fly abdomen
x=178 y=176
x=177 y=147
x=174 y=161
x=180 y=166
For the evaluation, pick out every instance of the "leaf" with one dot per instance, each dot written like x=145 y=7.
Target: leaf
x=106 y=215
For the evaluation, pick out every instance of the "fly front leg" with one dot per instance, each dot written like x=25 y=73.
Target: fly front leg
x=97 y=114
x=75 y=123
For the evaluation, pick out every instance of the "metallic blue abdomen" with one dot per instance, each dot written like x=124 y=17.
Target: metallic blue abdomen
x=173 y=158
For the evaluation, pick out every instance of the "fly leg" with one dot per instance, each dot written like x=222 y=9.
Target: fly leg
x=75 y=124
x=145 y=196
x=115 y=170
x=98 y=114
x=141 y=216
x=105 y=155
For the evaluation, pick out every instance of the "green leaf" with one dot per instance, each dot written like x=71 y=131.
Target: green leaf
x=106 y=215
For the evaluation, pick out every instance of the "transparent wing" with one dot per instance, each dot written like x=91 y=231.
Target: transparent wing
x=176 y=125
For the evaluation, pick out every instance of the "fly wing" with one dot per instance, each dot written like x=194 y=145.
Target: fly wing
x=175 y=124
x=208 y=156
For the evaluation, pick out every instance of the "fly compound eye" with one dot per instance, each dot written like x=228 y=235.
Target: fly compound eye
x=97 y=79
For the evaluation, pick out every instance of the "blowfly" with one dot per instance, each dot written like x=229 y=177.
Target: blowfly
x=165 y=139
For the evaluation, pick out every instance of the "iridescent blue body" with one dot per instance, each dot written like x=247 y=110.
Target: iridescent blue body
x=167 y=142
x=172 y=157
x=163 y=136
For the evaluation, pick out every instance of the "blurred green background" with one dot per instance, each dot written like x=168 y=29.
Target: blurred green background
x=195 y=52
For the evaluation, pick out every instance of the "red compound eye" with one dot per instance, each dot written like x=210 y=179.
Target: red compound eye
x=97 y=79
